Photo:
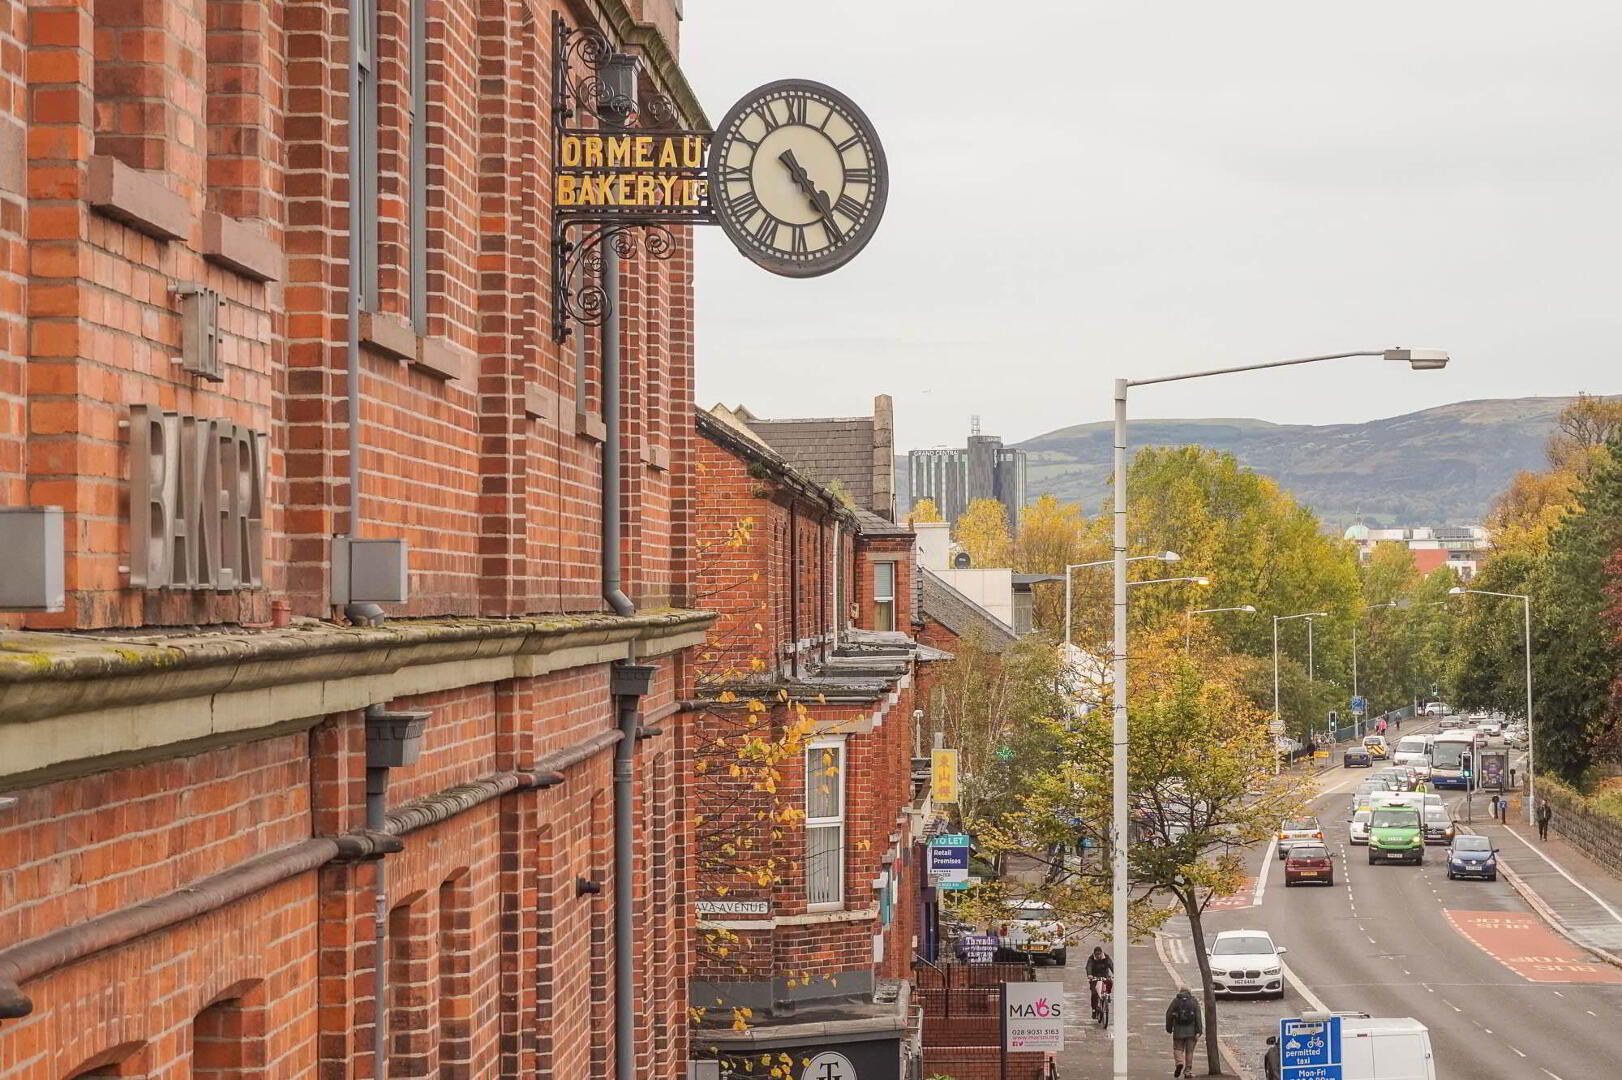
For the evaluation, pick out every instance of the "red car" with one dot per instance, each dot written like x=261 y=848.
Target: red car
x=1308 y=862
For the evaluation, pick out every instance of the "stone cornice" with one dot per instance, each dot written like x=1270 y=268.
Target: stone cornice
x=72 y=702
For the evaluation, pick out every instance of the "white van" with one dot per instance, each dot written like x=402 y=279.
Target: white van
x=1381 y=1048
x=1414 y=750
x=1385 y=1048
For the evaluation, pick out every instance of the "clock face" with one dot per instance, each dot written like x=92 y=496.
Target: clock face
x=797 y=177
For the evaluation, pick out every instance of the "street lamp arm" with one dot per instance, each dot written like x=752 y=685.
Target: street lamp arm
x=1254 y=367
x=1459 y=590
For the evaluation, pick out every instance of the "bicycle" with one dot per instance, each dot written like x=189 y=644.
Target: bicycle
x=1103 y=994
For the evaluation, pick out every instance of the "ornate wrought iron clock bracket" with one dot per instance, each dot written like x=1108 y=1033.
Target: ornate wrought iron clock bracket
x=582 y=88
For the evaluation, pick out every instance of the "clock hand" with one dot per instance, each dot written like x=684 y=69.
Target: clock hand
x=819 y=199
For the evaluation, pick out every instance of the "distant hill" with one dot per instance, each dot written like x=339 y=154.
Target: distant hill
x=1436 y=467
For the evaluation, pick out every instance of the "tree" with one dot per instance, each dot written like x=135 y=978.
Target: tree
x=1052 y=535
x=1198 y=750
x=1575 y=655
x=924 y=512
x=998 y=711
x=1257 y=546
x=982 y=531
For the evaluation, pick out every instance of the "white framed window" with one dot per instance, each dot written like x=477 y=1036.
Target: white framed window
x=825 y=823
x=884 y=596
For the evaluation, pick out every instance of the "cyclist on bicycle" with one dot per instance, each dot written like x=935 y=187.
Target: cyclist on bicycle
x=1099 y=968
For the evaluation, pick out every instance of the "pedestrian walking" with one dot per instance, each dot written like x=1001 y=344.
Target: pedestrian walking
x=1184 y=1027
x=1545 y=813
x=1270 y=1064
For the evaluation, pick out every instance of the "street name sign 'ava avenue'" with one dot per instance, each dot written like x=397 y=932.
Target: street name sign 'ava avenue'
x=794 y=174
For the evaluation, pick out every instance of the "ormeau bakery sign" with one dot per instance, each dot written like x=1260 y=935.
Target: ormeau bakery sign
x=197 y=502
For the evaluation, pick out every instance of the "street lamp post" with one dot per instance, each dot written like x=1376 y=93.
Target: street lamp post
x=1526 y=630
x=1164 y=556
x=1188 y=619
x=1419 y=359
x=1277 y=719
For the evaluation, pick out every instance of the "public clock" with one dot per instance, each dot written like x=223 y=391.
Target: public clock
x=797 y=177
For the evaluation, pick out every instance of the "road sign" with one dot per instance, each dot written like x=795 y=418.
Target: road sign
x=1360 y=705
x=1309 y=1049
x=1032 y=1016
x=1275 y=727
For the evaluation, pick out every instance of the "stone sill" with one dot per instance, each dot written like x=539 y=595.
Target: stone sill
x=137 y=199
x=389 y=334
x=393 y=336
x=590 y=426
x=235 y=245
x=541 y=404
x=656 y=457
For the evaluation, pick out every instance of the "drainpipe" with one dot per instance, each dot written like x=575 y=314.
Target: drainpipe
x=393 y=739
x=794 y=587
x=362 y=232
x=630 y=683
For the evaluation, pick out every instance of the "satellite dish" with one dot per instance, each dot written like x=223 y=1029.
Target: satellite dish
x=960 y=561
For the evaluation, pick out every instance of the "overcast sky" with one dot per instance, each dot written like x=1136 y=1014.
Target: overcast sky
x=1083 y=190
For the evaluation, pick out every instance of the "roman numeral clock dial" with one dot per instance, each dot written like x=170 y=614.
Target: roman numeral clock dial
x=797 y=177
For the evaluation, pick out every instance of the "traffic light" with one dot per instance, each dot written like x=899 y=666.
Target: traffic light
x=1334 y=718
x=1466 y=762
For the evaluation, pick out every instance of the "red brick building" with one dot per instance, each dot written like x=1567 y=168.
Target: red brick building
x=247 y=819
x=810 y=885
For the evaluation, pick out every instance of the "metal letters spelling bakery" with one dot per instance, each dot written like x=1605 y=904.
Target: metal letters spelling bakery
x=197 y=502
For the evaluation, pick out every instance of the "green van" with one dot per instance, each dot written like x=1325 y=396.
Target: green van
x=1396 y=834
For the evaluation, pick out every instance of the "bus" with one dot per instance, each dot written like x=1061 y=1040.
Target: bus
x=1447 y=757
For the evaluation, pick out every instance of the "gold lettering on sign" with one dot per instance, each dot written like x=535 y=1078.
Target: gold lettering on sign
x=630 y=171
x=197 y=502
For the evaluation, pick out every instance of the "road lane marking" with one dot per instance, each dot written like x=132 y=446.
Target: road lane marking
x=1301 y=988
x=1547 y=1073
x=1516 y=1049
x=1261 y=878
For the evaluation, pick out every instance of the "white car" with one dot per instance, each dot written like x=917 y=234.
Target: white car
x=1246 y=963
x=1490 y=727
x=1437 y=708
x=1360 y=826
x=1515 y=738
x=1034 y=933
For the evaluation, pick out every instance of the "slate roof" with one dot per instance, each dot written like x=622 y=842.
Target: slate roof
x=961 y=615
x=827 y=449
x=870 y=524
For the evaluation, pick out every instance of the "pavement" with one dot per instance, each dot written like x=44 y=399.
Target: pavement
x=1089 y=1049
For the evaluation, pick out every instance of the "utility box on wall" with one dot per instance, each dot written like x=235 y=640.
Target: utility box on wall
x=369 y=571
x=32 y=576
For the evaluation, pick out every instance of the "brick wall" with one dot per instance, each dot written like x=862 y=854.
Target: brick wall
x=476 y=446
x=1597 y=834
x=981 y=1063
x=498 y=966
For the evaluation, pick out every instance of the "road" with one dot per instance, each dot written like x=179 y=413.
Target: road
x=1503 y=995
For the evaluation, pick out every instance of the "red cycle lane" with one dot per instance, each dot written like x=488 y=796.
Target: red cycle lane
x=1523 y=944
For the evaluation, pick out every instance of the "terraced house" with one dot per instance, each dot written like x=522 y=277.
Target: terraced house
x=341 y=739
x=810 y=824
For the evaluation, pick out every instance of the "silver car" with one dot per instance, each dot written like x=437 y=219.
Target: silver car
x=1360 y=826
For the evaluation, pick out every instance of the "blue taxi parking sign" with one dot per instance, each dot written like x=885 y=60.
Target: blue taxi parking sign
x=1309 y=1049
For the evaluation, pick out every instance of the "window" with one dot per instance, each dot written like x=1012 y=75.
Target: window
x=825 y=824
x=884 y=596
